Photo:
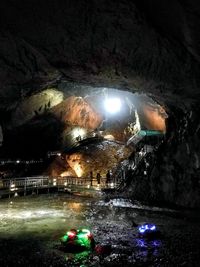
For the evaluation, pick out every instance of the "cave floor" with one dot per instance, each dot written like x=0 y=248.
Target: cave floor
x=31 y=226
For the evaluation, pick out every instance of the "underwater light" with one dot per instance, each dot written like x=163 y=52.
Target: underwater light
x=147 y=228
x=71 y=234
x=78 y=238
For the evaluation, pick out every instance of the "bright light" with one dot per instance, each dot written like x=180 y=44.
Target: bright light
x=78 y=170
x=109 y=137
x=112 y=185
x=137 y=126
x=12 y=187
x=147 y=227
x=113 y=105
x=54 y=182
x=78 y=133
x=64 y=174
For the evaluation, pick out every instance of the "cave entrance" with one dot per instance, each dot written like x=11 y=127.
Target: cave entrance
x=106 y=129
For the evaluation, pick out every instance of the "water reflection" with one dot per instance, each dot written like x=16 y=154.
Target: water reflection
x=148 y=249
x=144 y=243
x=75 y=206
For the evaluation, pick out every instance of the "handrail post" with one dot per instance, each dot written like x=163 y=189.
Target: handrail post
x=9 y=188
x=25 y=186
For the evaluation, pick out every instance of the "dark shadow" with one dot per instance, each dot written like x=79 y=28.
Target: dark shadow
x=34 y=139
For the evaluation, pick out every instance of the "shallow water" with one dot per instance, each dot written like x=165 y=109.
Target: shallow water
x=31 y=227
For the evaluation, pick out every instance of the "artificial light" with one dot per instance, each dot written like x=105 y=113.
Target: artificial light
x=112 y=105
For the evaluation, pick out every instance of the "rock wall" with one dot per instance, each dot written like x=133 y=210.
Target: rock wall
x=173 y=175
x=95 y=157
x=1 y=136
x=76 y=111
x=35 y=105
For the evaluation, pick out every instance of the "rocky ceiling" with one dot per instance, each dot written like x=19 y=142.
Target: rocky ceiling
x=146 y=46
x=150 y=46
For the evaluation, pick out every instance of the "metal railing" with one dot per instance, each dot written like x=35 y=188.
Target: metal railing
x=25 y=183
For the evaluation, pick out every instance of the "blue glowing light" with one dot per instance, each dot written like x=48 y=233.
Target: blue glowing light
x=147 y=227
x=157 y=243
x=141 y=243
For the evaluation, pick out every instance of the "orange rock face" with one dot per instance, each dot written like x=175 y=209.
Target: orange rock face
x=59 y=167
x=76 y=111
x=154 y=118
x=96 y=157
x=99 y=157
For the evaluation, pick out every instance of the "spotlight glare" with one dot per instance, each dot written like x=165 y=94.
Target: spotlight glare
x=113 y=105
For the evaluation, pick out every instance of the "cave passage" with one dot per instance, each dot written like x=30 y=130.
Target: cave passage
x=81 y=132
x=100 y=131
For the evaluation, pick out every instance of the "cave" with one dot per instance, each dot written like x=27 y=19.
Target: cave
x=99 y=123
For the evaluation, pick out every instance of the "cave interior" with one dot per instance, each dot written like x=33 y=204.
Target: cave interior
x=89 y=88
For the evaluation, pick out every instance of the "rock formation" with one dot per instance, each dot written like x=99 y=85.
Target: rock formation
x=149 y=47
